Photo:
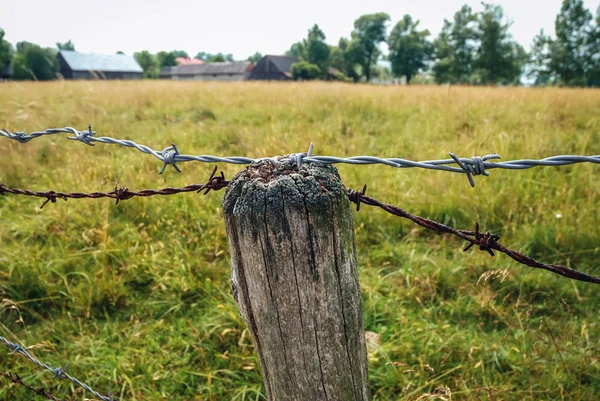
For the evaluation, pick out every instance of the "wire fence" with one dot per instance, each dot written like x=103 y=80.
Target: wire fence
x=214 y=183
x=485 y=241
x=16 y=379
x=58 y=372
x=171 y=156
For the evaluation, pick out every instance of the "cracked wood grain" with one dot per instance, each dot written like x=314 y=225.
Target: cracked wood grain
x=295 y=280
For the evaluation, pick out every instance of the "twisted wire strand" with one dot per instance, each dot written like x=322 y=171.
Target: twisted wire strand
x=39 y=391
x=171 y=156
x=215 y=183
x=58 y=372
x=485 y=241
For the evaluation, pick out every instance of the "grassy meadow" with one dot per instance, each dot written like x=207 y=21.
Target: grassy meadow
x=136 y=297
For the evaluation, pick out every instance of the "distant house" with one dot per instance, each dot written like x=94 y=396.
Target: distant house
x=166 y=73
x=75 y=65
x=273 y=68
x=225 y=71
x=5 y=72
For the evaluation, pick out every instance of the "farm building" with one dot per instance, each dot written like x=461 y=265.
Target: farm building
x=166 y=73
x=5 y=72
x=225 y=71
x=273 y=68
x=75 y=65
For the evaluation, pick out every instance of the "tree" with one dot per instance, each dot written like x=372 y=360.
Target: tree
x=409 y=48
x=443 y=70
x=166 y=59
x=594 y=51
x=317 y=51
x=204 y=56
x=6 y=51
x=34 y=62
x=120 y=52
x=499 y=59
x=65 y=46
x=455 y=48
x=297 y=50
x=313 y=49
x=148 y=62
x=540 y=58
x=305 y=71
x=180 y=53
x=369 y=31
x=571 y=52
x=217 y=58
x=341 y=57
x=255 y=58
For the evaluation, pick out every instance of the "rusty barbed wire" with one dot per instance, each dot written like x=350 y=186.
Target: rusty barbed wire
x=485 y=241
x=214 y=183
x=171 y=156
x=16 y=379
x=58 y=372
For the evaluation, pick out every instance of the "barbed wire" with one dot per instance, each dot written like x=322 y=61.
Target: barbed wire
x=214 y=183
x=485 y=241
x=39 y=391
x=58 y=372
x=171 y=156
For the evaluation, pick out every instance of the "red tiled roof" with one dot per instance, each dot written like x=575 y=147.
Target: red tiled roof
x=188 y=61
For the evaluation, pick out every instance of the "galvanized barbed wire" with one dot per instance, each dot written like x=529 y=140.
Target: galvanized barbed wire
x=16 y=379
x=214 y=183
x=58 y=372
x=485 y=241
x=171 y=156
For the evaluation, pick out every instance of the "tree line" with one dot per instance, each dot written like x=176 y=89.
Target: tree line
x=472 y=48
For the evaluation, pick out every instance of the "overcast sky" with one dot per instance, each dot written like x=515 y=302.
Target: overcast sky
x=241 y=27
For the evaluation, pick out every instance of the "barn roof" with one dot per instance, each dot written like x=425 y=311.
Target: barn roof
x=224 y=68
x=100 y=62
x=283 y=63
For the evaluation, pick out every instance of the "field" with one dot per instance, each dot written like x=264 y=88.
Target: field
x=136 y=297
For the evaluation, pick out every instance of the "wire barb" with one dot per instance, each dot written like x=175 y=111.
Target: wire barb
x=477 y=168
x=297 y=158
x=83 y=136
x=51 y=195
x=171 y=155
x=483 y=240
x=486 y=242
x=355 y=196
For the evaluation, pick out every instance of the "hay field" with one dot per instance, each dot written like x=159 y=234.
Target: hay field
x=136 y=297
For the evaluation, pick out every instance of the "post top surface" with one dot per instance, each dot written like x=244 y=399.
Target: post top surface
x=267 y=171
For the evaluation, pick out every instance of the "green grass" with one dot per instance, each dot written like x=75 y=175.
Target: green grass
x=136 y=297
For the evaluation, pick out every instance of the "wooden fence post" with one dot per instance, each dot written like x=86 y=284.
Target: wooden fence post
x=295 y=280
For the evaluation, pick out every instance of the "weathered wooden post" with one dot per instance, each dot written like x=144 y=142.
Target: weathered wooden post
x=295 y=280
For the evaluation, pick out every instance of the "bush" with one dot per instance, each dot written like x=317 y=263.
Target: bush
x=34 y=62
x=340 y=76
x=305 y=71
